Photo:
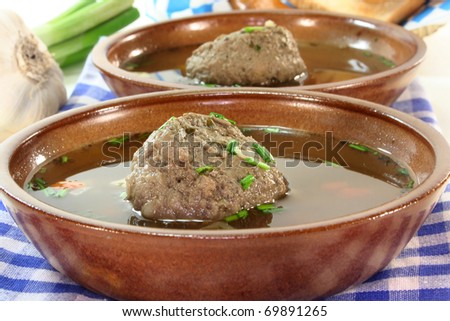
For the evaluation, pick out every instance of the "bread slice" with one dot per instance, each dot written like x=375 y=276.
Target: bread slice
x=387 y=10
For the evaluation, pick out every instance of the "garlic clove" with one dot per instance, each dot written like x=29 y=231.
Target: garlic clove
x=31 y=82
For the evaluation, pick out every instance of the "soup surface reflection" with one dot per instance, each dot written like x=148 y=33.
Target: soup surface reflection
x=346 y=63
x=328 y=178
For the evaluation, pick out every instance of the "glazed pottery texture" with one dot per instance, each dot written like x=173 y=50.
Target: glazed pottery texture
x=379 y=38
x=308 y=261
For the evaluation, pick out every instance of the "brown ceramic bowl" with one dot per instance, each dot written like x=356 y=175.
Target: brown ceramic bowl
x=305 y=261
x=380 y=38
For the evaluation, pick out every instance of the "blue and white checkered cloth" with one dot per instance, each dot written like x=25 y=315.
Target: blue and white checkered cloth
x=420 y=272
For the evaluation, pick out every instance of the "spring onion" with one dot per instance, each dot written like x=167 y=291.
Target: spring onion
x=204 y=169
x=83 y=16
x=263 y=152
x=387 y=62
x=272 y=130
x=118 y=140
x=37 y=184
x=361 y=148
x=56 y=193
x=410 y=184
x=71 y=35
x=251 y=29
x=233 y=149
x=269 y=208
x=64 y=159
x=247 y=181
x=239 y=215
x=77 y=48
x=220 y=116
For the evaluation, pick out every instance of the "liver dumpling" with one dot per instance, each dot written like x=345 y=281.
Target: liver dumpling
x=253 y=56
x=201 y=167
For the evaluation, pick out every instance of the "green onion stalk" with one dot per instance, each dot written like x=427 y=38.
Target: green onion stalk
x=71 y=35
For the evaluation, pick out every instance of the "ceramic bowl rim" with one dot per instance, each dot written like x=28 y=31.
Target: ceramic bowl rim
x=435 y=180
x=101 y=50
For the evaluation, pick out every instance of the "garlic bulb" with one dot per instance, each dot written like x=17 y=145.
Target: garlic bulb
x=31 y=82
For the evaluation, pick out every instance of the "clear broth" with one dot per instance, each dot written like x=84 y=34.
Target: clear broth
x=325 y=183
x=345 y=63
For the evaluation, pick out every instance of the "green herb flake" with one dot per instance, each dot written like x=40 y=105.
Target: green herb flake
x=37 y=184
x=131 y=66
x=64 y=159
x=118 y=140
x=410 y=184
x=239 y=215
x=332 y=164
x=247 y=181
x=165 y=124
x=210 y=85
x=251 y=161
x=361 y=148
x=403 y=171
x=250 y=29
x=204 y=169
x=387 y=62
x=263 y=152
x=56 y=193
x=269 y=208
x=220 y=116
x=256 y=47
x=231 y=147
x=271 y=130
x=263 y=166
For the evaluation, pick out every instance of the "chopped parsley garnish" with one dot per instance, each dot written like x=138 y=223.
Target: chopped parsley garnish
x=247 y=181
